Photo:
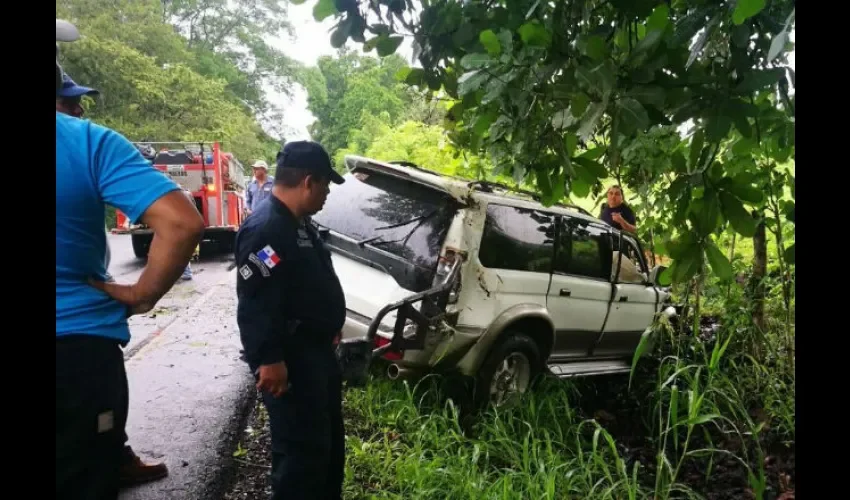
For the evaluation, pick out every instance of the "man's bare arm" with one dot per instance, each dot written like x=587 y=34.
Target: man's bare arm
x=177 y=228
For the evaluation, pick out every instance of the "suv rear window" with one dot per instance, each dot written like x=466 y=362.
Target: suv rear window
x=518 y=239
x=375 y=206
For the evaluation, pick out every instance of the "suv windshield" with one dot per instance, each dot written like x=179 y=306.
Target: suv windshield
x=398 y=216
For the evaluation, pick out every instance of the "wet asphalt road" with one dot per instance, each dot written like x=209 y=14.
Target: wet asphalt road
x=189 y=391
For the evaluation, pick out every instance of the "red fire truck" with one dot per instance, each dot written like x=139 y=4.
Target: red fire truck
x=214 y=177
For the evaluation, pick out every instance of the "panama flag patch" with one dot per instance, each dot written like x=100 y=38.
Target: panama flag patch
x=268 y=256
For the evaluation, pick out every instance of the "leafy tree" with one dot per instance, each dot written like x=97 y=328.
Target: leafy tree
x=152 y=85
x=342 y=90
x=555 y=92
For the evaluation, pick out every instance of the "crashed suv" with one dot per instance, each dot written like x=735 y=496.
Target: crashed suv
x=473 y=278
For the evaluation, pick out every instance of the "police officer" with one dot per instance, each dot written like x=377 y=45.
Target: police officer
x=291 y=309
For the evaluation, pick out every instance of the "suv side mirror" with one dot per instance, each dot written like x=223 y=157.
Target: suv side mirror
x=655 y=275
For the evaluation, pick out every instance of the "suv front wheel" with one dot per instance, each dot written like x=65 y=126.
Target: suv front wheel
x=508 y=371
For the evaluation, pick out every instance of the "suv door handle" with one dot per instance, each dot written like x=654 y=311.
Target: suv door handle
x=624 y=298
x=565 y=292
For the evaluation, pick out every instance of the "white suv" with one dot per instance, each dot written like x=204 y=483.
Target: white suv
x=443 y=274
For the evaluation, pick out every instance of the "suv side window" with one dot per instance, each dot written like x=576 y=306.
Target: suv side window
x=518 y=239
x=630 y=250
x=583 y=250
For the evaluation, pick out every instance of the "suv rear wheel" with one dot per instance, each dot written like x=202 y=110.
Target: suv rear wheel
x=508 y=372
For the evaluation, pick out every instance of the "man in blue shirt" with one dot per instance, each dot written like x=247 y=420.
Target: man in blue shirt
x=259 y=188
x=133 y=469
x=96 y=166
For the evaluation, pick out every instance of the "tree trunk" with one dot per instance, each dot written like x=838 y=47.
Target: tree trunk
x=757 y=282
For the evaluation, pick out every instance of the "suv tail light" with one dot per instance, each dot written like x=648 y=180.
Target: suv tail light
x=390 y=355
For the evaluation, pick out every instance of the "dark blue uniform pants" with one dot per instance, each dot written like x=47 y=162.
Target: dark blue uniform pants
x=308 y=438
x=91 y=411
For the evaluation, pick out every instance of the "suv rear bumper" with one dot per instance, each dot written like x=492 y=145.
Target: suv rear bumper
x=357 y=347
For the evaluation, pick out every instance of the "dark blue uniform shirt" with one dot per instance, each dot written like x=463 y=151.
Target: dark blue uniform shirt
x=627 y=213
x=286 y=285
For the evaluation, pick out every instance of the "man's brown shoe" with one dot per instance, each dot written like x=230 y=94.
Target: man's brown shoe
x=136 y=472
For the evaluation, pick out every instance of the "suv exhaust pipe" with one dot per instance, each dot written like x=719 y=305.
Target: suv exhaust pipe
x=395 y=372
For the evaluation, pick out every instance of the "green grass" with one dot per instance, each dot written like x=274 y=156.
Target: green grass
x=692 y=412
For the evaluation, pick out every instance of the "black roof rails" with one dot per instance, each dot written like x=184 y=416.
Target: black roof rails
x=489 y=186
x=412 y=165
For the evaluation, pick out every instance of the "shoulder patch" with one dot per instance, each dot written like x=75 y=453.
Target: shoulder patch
x=245 y=272
x=269 y=257
x=257 y=262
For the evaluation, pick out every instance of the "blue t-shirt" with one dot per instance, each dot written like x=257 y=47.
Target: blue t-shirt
x=95 y=167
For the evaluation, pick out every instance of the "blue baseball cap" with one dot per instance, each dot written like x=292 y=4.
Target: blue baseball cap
x=71 y=89
x=308 y=155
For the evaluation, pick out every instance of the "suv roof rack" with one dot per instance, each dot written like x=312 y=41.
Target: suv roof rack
x=414 y=166
x=489 y=187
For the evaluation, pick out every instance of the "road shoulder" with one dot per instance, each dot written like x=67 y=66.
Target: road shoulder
x=190 y=395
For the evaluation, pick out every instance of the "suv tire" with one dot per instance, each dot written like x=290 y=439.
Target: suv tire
x=511 y=367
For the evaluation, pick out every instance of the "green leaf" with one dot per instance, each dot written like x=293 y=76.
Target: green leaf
x=741 y=36
x=482 y=124
x=632 y=115
x=688 y=266
x=340 y=35
x=680 y=165
x=743 y=125
x=371 y=43
x=562 y=119
x=590 y=120
x=490 y=42
x=533 y=33
x=570 y=142
x=506 y=41
x=718 y=127
x=649 y=94
x=743 y=147
x=544 y=183
x=759 y=79
x=790 y=254
x=745 y=192
x=660 y=18
x=666 y=277
x=595 y=169
x=580 y=187
x=585 y=77
x=495 y=88
x=502 y=126
x=594 y=47
x=697 y=142
x=579 y=103
x=475 y=61
x=705 y=213
x=402 y=74
x=645 y=47
x=594 y=154
x=324 y=9
x=297 y=2
x=388 y=44
x=718 y=262
x=415 y=77
x=746 y=9
x=738 y=217
x=470 y=81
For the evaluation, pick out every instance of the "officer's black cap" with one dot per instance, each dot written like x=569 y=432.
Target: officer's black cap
x=308 y=155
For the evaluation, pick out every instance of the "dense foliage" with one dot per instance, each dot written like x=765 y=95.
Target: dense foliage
x=557 y=91
x=157 y=85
